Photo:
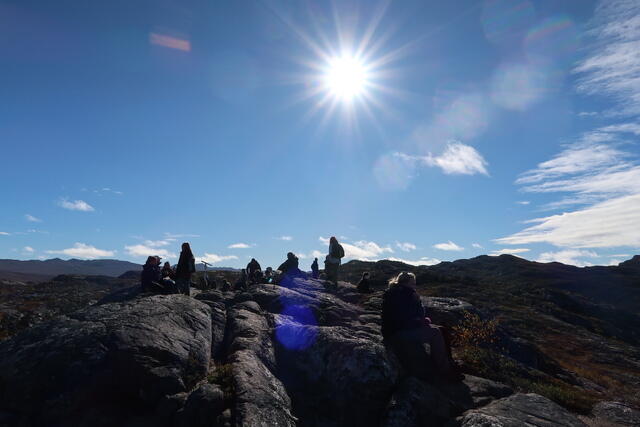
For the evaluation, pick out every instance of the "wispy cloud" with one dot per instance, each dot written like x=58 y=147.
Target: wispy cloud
x=477 y=245
x=395 y=171
x=509 y=251
x=362 y=249
x=240 y=246
x=75 y=205
x=613 y=68
x=81 y=250
x=587 y=113
x=595 y=173
x=179 y=236
x=31 y=218
x=4 y=233
x=28 y=249
x=448 y=246
x=523 y=202
x=149 y=248
x=568 y=256
x=215 y=259
x=406 y=246
x=285 y=238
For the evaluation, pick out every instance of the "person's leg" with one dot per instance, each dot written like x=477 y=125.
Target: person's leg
x=433 y=336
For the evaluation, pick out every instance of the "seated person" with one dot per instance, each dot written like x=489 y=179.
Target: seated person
x=364 y=286
x=151 y=278
x=406 y=328
x=167 y=271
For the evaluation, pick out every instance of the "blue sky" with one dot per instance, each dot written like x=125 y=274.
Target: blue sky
x=503 y=126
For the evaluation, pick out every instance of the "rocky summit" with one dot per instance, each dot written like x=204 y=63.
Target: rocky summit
x=294 y=355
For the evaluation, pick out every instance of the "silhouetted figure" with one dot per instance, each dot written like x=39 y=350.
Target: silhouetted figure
x=290 y=265
x=252 y=268
x=186 y=267
x=167 y=271
x=268 y=276
x=151 y=278
x=226 y=285
x=242 y=281
x=315 y=271
x=364 y=286
x=333 y=260
x=406 y=327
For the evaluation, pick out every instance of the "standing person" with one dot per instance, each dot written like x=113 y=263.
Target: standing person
x=406 y=327
x=333 y=260
x=315 y=272
x=252 y=268
x=186 y=267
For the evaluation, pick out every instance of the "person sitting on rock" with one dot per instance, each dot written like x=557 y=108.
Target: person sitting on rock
x=364 y=287
x=151 y=278
x=252 y=268
x=226 y=285
x=315 y=271
x=167 y=271
x=290 y=265
x=406 y=327
x=186 y=267
x=268 y=276
x=333 y=260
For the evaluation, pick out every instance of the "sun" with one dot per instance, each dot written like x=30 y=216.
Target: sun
x=346 y=77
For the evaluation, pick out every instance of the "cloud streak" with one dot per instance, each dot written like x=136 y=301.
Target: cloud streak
x=448 y=246
x=75 y=205
x=82 y=250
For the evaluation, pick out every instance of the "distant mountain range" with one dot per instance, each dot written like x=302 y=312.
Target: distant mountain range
x=36 y=270
x=40 y=271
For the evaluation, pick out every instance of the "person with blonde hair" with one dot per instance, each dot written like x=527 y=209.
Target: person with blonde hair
x=406 y=327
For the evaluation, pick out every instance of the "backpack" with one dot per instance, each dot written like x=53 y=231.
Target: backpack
x=340 y=251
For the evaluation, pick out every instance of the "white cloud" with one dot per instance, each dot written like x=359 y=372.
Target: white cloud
x=448 y=246
x=421 y=261
x=240 y=246
x=396 y=170
x=602 y=184
x=587 y=113
x=568 y=256
x=214 y=259
x=406 y=246
x=317 y=254
x=28 y=249
x=458 y=159
x=31 y=218
x=285 y=238
x=164 y=242
x=143 y=250
x=76 y=205
x=477 y=245
x=362 y=250
x=613 y=68
x=4 y=233
x=179 y=236
x=508 y=251
x=523 y=202
x=81 y=250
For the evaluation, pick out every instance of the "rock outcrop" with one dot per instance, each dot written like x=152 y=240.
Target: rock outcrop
x=270 y=355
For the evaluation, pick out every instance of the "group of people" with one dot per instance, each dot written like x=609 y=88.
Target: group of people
x=405 y=324
x=166 y=279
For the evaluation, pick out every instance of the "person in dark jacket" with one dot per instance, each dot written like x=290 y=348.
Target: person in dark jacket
x=151 y=279
x=290 y=265
x=333 y=260
x=406 y=327
x=167 y=271
x=186 y=267
x=364 y=287
x=226 y=285
x=315 y=271
x=252 y=268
